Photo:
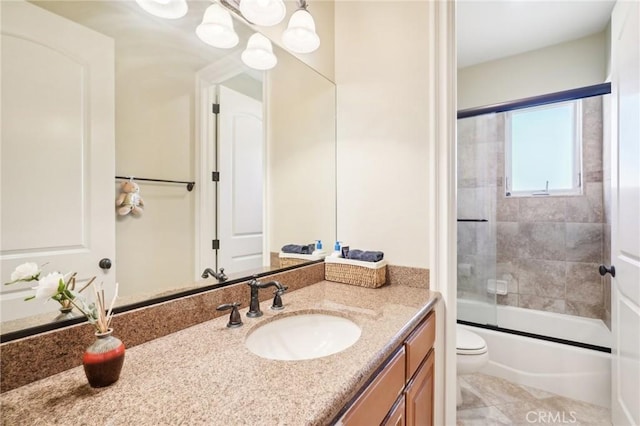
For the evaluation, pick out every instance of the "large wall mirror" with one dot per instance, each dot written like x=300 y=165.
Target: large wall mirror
x=96 y=92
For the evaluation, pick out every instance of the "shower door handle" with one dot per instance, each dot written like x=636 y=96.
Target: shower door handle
x=610 y=270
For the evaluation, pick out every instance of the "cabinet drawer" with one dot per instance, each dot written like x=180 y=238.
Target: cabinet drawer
x=419 y=343
x=374 y=403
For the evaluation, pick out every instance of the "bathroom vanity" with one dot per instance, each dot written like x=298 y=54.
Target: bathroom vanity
x=401 y=393
x=205 y=374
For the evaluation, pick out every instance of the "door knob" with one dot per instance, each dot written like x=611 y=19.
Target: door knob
x=105 y=263
x=604 y=270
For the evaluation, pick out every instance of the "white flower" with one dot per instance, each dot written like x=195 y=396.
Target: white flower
x=26 y=272
x=48 y=285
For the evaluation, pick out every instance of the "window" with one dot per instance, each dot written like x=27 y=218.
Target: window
x=543 y=150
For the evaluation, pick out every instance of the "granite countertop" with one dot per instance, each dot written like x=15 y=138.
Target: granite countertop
x=205 y=374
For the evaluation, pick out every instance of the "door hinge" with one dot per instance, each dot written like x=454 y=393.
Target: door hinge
x=215 y=176
x=215 y=108
x=215 y=244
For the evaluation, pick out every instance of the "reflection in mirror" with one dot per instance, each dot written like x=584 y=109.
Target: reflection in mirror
x=275 y=153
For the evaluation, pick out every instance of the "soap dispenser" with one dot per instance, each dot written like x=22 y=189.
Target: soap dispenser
x=318 y=249
x=336 y=250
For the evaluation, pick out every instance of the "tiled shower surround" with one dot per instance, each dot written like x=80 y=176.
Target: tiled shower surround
x=547 y=248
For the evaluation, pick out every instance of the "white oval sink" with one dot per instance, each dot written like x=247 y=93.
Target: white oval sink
x=304 y=336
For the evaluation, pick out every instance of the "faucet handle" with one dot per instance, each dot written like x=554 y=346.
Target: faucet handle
x=234 y=317
x=277 y=299
x=221 y=275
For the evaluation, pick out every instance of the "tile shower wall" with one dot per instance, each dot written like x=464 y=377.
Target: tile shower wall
x=548 y=249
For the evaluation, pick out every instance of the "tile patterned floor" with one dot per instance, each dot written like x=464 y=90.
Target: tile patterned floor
x=488 y=400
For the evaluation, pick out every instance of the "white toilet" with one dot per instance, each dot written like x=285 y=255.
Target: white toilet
x=471 y=355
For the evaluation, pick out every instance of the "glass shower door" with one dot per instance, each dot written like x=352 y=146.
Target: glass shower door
x=478 y=150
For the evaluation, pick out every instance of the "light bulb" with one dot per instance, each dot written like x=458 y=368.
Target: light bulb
x=263 y=12
x=300 y=35
x=216 y=28
x=259 y=53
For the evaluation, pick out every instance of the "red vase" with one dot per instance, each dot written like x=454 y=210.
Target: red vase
x=103 y=360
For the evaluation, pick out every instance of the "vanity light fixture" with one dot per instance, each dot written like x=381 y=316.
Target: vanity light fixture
x=168 y=9
x=216 y=28
x=259 y=53
x=265 y=13
x=300 y=35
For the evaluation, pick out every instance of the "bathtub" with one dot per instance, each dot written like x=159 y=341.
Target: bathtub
x=567 y=327
x=567 y=370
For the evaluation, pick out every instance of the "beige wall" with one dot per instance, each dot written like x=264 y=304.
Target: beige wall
x=383 y=179
x=155 y=139
x=301 y=150
x=564 y=66
x=607 y=44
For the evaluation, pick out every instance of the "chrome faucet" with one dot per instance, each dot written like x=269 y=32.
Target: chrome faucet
x=254 y=305
x=220 y=276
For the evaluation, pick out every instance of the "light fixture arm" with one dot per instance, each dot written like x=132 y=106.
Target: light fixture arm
x=234 y=6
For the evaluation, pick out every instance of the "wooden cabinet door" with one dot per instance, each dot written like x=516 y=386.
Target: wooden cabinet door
x=419 y=395
x=372 y=407
x=396 y=416
x=419 y=344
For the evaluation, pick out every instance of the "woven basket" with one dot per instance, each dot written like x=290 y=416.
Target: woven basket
x=355 y=274
x=291 y=261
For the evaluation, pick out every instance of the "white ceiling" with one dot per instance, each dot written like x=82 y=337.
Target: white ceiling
x=489 y=30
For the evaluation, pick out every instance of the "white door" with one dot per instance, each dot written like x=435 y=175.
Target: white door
x=241 y=186
x=625 y=238
x=57 y=151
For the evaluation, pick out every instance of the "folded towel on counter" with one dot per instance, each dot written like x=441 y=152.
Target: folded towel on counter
x=365 y=256
x=298 y=249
